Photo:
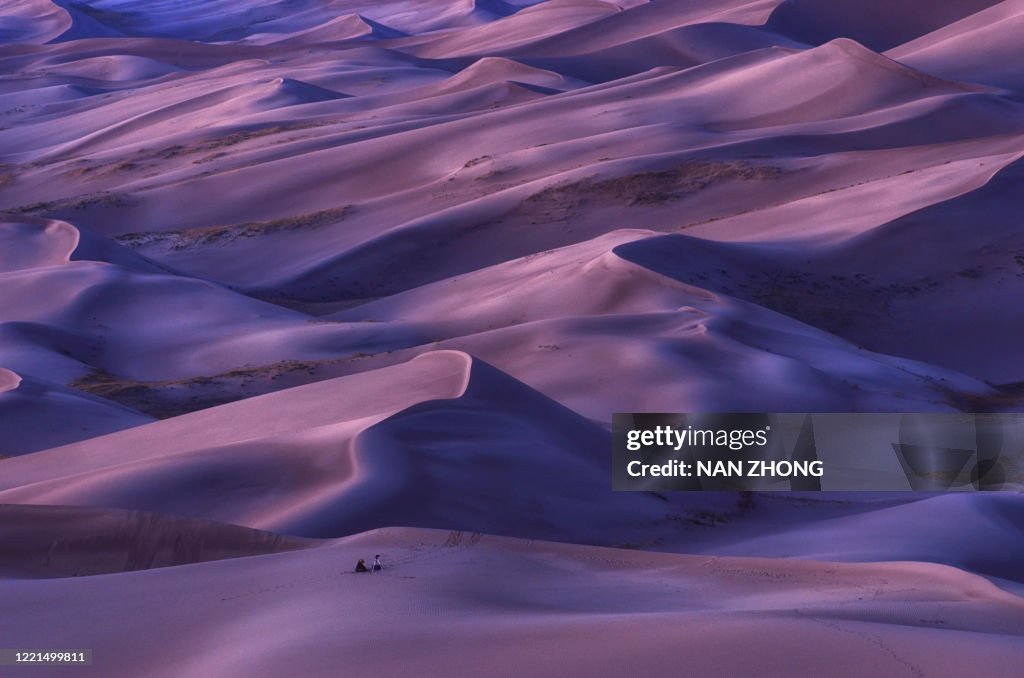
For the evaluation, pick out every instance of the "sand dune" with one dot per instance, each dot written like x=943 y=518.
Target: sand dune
x=878 y=25
x=981 y=48
x=960 y=337
x=482 y=200
x=530 y=607
x=612 y=44
x=580 y=305
x=308 y=272
x=917 y=531
x=339 y=29
x=39 y=415
x=60 y=541
x=33 y=21
x=341 y=181
x=291 y=465
x=281 y=269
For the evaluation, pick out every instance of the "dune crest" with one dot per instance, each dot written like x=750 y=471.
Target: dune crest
x=9 y=381
x=879 y=25
x=346 y=474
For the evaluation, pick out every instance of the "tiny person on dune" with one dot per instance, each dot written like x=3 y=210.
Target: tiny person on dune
x=377 y=564
x=361 y=566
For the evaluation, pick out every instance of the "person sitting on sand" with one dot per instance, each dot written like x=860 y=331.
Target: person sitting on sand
x=361 y=566
x=376 y=564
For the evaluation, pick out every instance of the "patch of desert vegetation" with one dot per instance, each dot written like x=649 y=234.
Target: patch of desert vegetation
x=228 y=140
x=654 y=187
x=170 y=398
x=78 y=203
x=223 y=234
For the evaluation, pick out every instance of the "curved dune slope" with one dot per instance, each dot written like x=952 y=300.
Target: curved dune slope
x=984 y=47
x=879 y=25
x=39 y=415
x=345 y=455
